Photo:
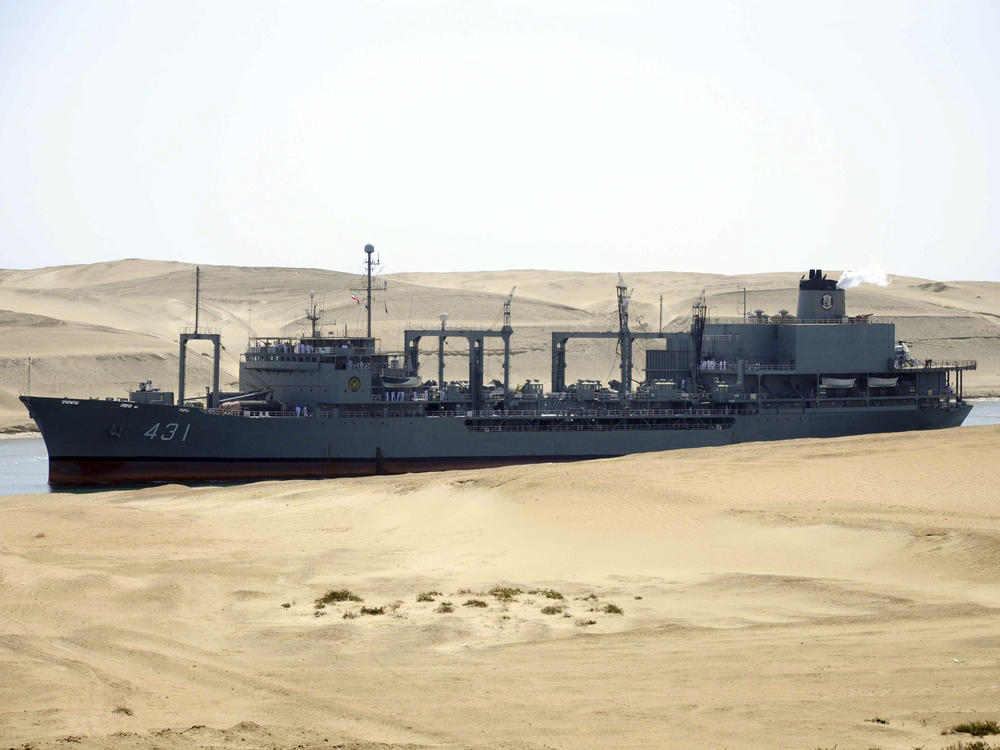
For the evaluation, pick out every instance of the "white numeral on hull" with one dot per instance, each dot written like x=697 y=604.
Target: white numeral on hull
x=168 y=433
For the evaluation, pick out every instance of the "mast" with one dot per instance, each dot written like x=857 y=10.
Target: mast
x=699 y=314
x=506 y=308
x=624 y=339
x=197 y=294
x=506 y=331
x=367 y=287
x=311 y=312
x=369 y=249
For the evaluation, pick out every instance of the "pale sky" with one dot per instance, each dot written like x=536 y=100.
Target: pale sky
x=634 y=136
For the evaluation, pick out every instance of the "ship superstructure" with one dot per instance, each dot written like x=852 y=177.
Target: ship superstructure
x=328 y=405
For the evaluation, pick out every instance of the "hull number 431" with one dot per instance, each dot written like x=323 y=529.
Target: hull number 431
x=169 y=431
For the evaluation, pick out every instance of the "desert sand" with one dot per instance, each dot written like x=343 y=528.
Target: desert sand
x=771 y=595
x=97 y=330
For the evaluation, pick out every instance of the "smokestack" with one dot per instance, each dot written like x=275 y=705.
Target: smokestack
x=820 y=299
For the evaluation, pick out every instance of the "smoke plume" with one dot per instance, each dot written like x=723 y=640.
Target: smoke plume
x=870 y=275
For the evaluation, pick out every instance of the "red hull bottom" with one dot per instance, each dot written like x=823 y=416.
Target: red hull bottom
x=91 y=471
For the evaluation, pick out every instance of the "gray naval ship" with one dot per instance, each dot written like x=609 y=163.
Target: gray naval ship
x=330 y=406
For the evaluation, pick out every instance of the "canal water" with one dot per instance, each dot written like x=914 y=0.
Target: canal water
x=24 y=462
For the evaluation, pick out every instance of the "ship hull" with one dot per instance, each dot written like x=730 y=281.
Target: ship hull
x=83 y=471
x=110 y=442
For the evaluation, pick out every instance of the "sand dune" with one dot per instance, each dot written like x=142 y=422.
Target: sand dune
x=97 y=329
x=772 y=595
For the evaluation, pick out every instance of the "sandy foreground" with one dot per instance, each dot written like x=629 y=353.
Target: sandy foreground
x=773 y=595
x=99 y=329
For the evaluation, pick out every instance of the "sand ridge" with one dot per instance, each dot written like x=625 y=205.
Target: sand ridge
x=771 y=595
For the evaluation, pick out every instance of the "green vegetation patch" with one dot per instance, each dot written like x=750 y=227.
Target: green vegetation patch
x=976 y=728
x=338 y=595
x=505 y=593
x=547 y=593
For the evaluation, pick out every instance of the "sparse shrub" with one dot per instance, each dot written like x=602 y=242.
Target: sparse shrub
x=505 y=593
x=444 y=608
x=976 y=728
x=466 y=592
x=552 y=609
x=350 y=614
x=584 y=623
x=373 y=610
x=591 y=597
x=878 y=720
x=613 y=609
x=319 y=605
x=974 y=745
x=427 y=596
x=475 y=603
x=286 y=605
x=547 y=593
x=122 y=709
x=319 y=613
x=638 y=597
x=339 y=595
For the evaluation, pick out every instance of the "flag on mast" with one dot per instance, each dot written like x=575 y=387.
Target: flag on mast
x=355 y=298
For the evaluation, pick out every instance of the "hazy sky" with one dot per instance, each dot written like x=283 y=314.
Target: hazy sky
x=691 y=136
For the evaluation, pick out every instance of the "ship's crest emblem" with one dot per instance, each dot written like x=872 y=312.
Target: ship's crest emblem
x=826 y=301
